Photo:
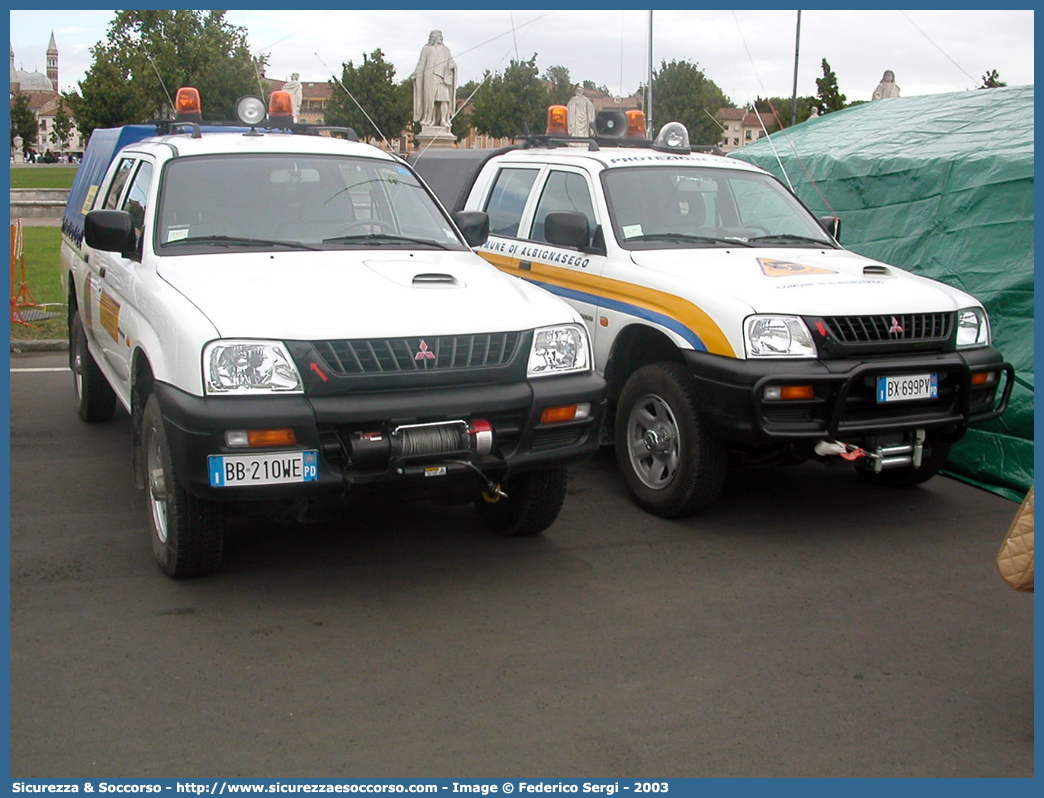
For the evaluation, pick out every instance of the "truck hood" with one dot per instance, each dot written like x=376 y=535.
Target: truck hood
x=358 y=294
x=815 y=282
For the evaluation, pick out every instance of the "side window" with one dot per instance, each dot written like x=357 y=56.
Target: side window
x=138 y=197
x=563 y=191
x=123 y=171
x=508 y=199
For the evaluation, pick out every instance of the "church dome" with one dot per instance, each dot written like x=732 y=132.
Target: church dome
x=33 y=81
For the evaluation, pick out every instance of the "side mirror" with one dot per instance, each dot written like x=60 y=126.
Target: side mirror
x=474 y=225
x=832 y=224
x=567 y=229
x=110 y=231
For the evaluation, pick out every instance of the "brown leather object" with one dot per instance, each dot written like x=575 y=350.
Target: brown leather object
x=1015 y=558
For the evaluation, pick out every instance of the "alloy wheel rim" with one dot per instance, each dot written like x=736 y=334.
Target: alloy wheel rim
x=653 y=443
x=156 y=486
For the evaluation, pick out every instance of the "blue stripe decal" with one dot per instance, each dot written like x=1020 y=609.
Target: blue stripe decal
x=623 y=307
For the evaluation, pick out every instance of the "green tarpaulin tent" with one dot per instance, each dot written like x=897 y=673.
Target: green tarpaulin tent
x=941 y=185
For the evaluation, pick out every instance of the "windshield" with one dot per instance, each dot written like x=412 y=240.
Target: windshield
x=683 y=206
x=279 y=201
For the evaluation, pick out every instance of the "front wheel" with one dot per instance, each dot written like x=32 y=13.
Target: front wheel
x=532 y=504
x=669 y=459
x=187 y=532
x=96 y=401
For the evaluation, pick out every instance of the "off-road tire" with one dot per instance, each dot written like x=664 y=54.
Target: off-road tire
x=670 y=461
x=532 y=504
x=187 y=532
x=95 y=397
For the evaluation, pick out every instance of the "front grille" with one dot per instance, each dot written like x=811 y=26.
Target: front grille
x=887 y=328
x=409 y=355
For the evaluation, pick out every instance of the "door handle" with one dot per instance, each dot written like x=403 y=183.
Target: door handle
x=101 y=272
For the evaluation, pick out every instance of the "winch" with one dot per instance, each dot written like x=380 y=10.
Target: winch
x=896 y=455
x=377 y=448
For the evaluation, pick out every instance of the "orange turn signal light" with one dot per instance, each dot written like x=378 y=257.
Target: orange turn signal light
x=789 y=392
x=260 y=438
x=556 y=415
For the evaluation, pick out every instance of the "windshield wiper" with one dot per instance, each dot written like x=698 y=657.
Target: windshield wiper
x=788 y=238
x=687 y=237
x=384 y=238
x=237 y=241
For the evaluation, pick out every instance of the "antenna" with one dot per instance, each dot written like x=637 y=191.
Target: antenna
x=648 y=91
x=797 y=50
x=345 y=88
x=160 y=79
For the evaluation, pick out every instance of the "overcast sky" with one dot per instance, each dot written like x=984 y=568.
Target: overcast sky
x=747 y=53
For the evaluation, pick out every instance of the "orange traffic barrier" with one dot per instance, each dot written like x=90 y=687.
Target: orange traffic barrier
x=21 y=296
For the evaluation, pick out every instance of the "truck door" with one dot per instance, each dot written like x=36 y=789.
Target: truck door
x=518 y=205
x=573 y=274
x=114 y=321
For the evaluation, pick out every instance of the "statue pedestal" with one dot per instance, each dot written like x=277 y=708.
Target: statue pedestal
x=432 y=136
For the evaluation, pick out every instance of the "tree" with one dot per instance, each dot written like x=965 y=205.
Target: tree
x=780 y=110
x=991 y=80
x=511 y=104
x=23 y=122
x=388 y=104
x=559 y=87
x=830 y=97
x=148 y=54
x=683 y=93
x=590 y=84
x=61 y=127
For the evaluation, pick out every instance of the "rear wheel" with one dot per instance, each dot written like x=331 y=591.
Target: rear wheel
x=933 y=458
x=96 y=399
x=532 y=504
x=668 y=457
x=187 y=532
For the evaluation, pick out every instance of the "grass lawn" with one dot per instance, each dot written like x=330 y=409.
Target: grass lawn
x=43 y=176
x=42 y=247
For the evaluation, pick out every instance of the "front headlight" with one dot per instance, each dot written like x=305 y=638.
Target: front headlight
x=973 y=328
x=777 y=336
x=249 y=367
x=559 y=350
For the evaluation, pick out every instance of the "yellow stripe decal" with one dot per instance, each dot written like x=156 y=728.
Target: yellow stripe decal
x=677 y=314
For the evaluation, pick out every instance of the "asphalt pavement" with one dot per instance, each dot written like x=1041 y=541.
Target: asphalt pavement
x=809 y=624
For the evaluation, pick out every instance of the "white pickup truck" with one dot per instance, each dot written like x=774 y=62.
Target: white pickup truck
x=292 y=320
x=728 y=321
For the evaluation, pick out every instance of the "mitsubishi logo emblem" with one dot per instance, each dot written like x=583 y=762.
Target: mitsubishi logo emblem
x=423 y=353
x=896 y=328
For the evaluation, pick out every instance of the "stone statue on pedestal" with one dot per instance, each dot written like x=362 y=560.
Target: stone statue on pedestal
x=581 y=114
x=296 y=91
x=434 y=85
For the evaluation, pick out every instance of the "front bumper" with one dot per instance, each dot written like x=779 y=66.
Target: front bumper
x=843 y=404
x=196 y=427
